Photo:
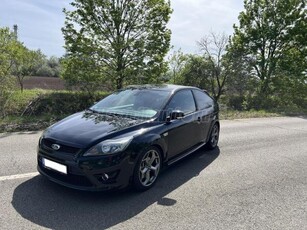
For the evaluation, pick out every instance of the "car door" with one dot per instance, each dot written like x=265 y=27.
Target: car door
x=205 y=108
x=182 y=133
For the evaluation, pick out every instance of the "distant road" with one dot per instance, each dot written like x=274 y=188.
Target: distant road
x=257 y=179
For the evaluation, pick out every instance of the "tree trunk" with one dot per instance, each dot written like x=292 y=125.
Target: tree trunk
x=20 y=81
x=264 y=88
x=119 y=82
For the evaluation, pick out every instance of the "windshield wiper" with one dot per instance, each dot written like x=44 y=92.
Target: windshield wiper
x=100 y=112
x=92 y=110
x=113 y=114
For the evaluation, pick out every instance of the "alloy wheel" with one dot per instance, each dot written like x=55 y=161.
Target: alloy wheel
x=214 y=136
x=149 y=168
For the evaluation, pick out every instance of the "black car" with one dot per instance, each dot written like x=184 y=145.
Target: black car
x=128 y=136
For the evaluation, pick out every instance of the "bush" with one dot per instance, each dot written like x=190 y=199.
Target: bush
x=46 y=71
x=62 y=103
x=18 y=101
x=54 y=103
x=237 y=102
x=7 y=84
x=281 y=104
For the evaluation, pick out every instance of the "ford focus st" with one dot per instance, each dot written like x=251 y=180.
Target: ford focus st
x=127 y=137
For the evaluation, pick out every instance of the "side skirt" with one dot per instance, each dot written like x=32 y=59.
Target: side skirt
x=185 y=154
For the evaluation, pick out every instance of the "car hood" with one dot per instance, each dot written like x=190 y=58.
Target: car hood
x=84 y=128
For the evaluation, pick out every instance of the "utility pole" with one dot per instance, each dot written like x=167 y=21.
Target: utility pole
x=15 y=27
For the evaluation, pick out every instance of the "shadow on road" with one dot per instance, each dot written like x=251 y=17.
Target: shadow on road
x=52 y=206
x=303 y=117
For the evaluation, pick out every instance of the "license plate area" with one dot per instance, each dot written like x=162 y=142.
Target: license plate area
x=54 y=166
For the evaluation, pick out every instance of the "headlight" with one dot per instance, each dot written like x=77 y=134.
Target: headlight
x=41 y=138
x=109 y=146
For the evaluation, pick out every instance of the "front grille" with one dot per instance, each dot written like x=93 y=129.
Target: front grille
x=47 y=143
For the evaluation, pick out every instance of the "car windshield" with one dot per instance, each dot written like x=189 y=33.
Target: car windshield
x=145 y=103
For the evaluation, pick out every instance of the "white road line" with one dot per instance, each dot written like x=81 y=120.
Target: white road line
x=18 y=176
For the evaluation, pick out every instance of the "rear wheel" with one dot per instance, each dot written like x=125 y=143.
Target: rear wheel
x=214 y=137
x=147 y=169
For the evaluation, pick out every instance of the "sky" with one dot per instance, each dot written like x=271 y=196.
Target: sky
x=40 y=22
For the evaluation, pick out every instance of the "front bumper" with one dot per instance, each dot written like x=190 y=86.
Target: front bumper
x=88 y=173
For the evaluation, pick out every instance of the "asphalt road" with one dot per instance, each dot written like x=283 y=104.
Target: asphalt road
x=257 y=179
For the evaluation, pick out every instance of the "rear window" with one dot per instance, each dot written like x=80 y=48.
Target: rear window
x=203 y=101
x=182 y=100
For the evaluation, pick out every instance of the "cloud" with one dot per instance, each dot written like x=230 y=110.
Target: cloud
x=193 y=19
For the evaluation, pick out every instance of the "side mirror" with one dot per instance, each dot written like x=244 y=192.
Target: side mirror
x=175 y=115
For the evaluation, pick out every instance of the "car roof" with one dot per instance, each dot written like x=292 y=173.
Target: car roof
x=164 y=87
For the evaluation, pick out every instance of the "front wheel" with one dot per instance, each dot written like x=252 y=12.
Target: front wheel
x=214 y=137
x=147 y=169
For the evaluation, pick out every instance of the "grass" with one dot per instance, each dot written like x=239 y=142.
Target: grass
x=25 y=123
x=233 y=114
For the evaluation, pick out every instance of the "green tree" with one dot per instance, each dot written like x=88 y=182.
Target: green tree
x=7 y=43
x=267 y=30
x=124 y=38
x=176 y=63
x=48 y=67
x=55 y=65
x=290 y=81
x=84 y=74
x=197 y=72
x=240 y=81
x=24 y=62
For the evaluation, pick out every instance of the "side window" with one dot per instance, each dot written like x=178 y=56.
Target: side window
x=184 y=101
x=202 y=99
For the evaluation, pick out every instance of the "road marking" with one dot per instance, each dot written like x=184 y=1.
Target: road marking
x=18 y=176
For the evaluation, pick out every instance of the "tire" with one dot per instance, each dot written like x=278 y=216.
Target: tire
x=147 y=169
x=214 y=137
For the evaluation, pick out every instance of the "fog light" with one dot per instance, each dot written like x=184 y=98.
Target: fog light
x=104 y=176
